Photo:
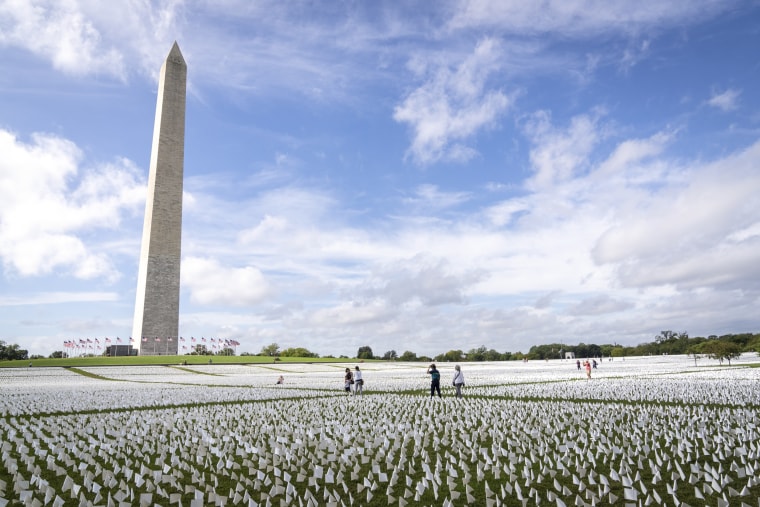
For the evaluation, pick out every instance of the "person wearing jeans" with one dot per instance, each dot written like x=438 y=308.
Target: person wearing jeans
x=435 y=380
x=358 y=382
x=458 y=380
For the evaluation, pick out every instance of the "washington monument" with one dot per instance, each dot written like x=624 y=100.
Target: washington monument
x=156 y=319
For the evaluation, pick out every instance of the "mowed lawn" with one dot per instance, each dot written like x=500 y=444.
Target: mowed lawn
x=645 y=431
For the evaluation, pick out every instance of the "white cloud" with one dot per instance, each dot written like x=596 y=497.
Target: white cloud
x=350 y=314
x=48 y=204
x=689 y=232
x=560 y=155
x=726 y=101
x=61 y=32
x=625 y=160
x=423 y=278
x=210 y=283
x=82 y=37
x=452 y=106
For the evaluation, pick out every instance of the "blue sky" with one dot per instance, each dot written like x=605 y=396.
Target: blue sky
x=405 y=175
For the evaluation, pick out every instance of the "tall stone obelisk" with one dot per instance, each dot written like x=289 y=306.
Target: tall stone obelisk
x=156 y=319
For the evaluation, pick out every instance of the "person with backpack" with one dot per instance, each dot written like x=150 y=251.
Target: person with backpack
x=435 y=380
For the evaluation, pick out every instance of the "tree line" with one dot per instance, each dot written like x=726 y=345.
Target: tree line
x=725 y=347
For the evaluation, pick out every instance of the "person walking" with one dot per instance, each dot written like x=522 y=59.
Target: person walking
x=349 y=379
x=435 y=380
x=587 y=365
x=458 y=380
x=358 y=382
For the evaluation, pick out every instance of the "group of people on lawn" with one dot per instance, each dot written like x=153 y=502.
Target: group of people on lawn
x=355 y=378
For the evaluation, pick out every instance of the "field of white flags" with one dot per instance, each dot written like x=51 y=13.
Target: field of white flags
x=641 y=431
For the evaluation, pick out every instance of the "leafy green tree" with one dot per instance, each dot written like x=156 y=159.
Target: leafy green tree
x=591 y=350
x=226 y=351
x=390 y=355
x=721 y=350
x=478 y=354
x=57 y=354
x=270 y=350
x=298 y=352
x=493 y=355
x=12 y=352
x=408 y=355
x=365 y=352
x=547 y=351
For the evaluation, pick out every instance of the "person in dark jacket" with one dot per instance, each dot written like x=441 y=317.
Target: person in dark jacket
x=435 y=380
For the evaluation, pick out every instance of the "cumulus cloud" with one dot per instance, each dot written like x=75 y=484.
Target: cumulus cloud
x=48 y=204
x=210 y=283
x=453 y=104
